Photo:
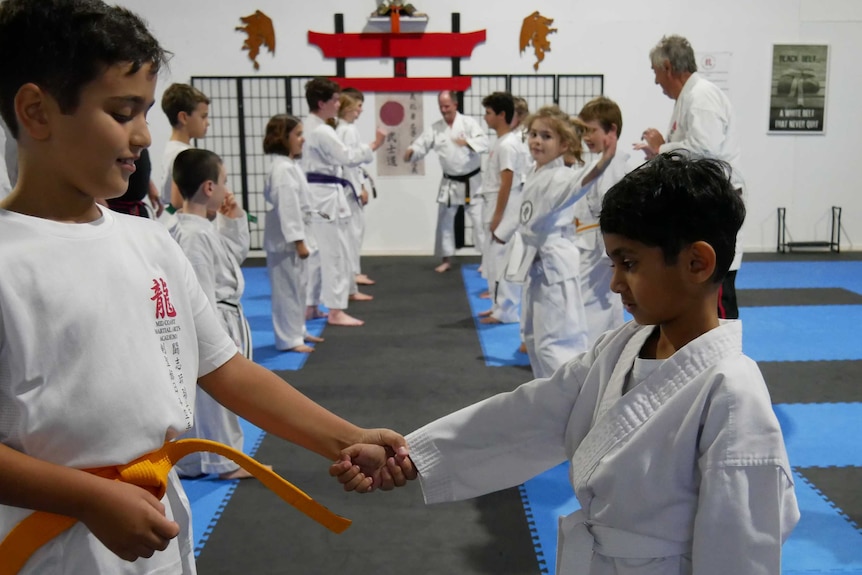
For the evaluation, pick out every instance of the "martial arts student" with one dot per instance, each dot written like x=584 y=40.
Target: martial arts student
x=102 y=372
x=542 y=254
x=676 y=456
x=349 y=111
x=286 y=237
x=459 y=141
x=187 y=109
x=501 y=201
x=522 y=111
x=216 y=250
x=603 y=124
x=323 y=156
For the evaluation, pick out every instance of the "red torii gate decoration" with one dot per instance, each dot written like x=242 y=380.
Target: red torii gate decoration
x=398 y=46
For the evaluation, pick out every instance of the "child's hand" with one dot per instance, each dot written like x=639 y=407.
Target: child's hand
x=229 y=206
x=302 y=250
x=379 y=138
x=129 y=521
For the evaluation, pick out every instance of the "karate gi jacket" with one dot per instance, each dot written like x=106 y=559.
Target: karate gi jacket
x=686 y=473
x=455 y=160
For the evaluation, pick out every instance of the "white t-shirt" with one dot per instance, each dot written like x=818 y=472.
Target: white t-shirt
x=104 y=331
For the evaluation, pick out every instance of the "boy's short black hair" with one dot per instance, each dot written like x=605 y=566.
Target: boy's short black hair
x=501 y=102
x=192 y=168
x=674 y=200
x=181 y=98
x=62 y=45
x=320 y=90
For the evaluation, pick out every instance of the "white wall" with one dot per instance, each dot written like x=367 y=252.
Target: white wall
x=807 y=174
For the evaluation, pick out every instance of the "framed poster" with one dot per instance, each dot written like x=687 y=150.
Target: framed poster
x=800 y=74
x=401 y=117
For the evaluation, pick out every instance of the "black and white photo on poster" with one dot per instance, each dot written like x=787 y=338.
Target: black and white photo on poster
x=799 y=82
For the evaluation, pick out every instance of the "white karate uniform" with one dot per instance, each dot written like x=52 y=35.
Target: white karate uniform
x=603 y=307
x=686 y=473
x=455 y=160
x=325 y=153
x=287 y=212
x=702 y=122
x=543 y=254
x=172 y=150
x=504 y=155
x=129 y=333
x=216 y=251
x=349 y=134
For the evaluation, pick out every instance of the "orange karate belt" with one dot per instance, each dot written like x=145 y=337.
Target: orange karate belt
x=583 y=226
x=150 y=472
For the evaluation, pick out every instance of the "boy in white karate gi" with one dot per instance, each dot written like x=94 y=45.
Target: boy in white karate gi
x=104 y=328
x=603 y=123
x=501 y=201
x=677 y=458
x=323 y=157
x=216 y=250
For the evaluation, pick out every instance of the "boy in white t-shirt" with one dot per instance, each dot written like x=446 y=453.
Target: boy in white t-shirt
x=100 y=372
x=187 y=109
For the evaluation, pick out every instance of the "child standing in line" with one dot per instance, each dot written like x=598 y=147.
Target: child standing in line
x=131 y=331
x=543 y=254
x=501 y=201
x=676 y=456
x=349 y=111
x=287 y=238
x=187 y=109
x=323 y=156
x=216 y=250
x=603 y=125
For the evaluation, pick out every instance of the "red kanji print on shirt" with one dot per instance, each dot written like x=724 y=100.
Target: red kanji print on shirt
x=163 y=299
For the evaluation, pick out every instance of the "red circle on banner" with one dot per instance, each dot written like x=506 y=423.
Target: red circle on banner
x=392 y=113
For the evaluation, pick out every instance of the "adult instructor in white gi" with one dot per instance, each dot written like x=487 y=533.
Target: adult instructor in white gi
x=459 y=142
x=702 y=123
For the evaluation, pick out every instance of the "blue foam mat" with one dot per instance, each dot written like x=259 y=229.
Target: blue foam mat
x=499 y=342
x=802 y=333
x=822 y=434
x=257 y=305
x=814 y=274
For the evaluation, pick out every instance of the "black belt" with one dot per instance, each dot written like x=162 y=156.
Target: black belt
x=465 y=179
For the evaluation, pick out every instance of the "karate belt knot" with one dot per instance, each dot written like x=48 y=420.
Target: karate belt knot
x=150 y=472
x=579 y=538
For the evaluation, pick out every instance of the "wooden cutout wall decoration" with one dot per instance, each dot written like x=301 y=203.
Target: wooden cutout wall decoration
x=399 y=47
x=259 y=32
x=535 y=30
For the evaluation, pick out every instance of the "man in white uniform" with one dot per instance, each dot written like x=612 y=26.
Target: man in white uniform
x=677 y=459
x=323 y=156
x=702 y=123
x=459 y=142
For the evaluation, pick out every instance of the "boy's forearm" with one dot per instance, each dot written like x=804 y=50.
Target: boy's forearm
x=32 y=483
x=258 y=395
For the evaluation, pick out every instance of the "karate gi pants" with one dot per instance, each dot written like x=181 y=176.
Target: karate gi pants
x=288 y=276
x=553 y=321
x=334 y=264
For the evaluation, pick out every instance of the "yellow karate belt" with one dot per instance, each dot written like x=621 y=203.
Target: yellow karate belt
x=150 y=472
